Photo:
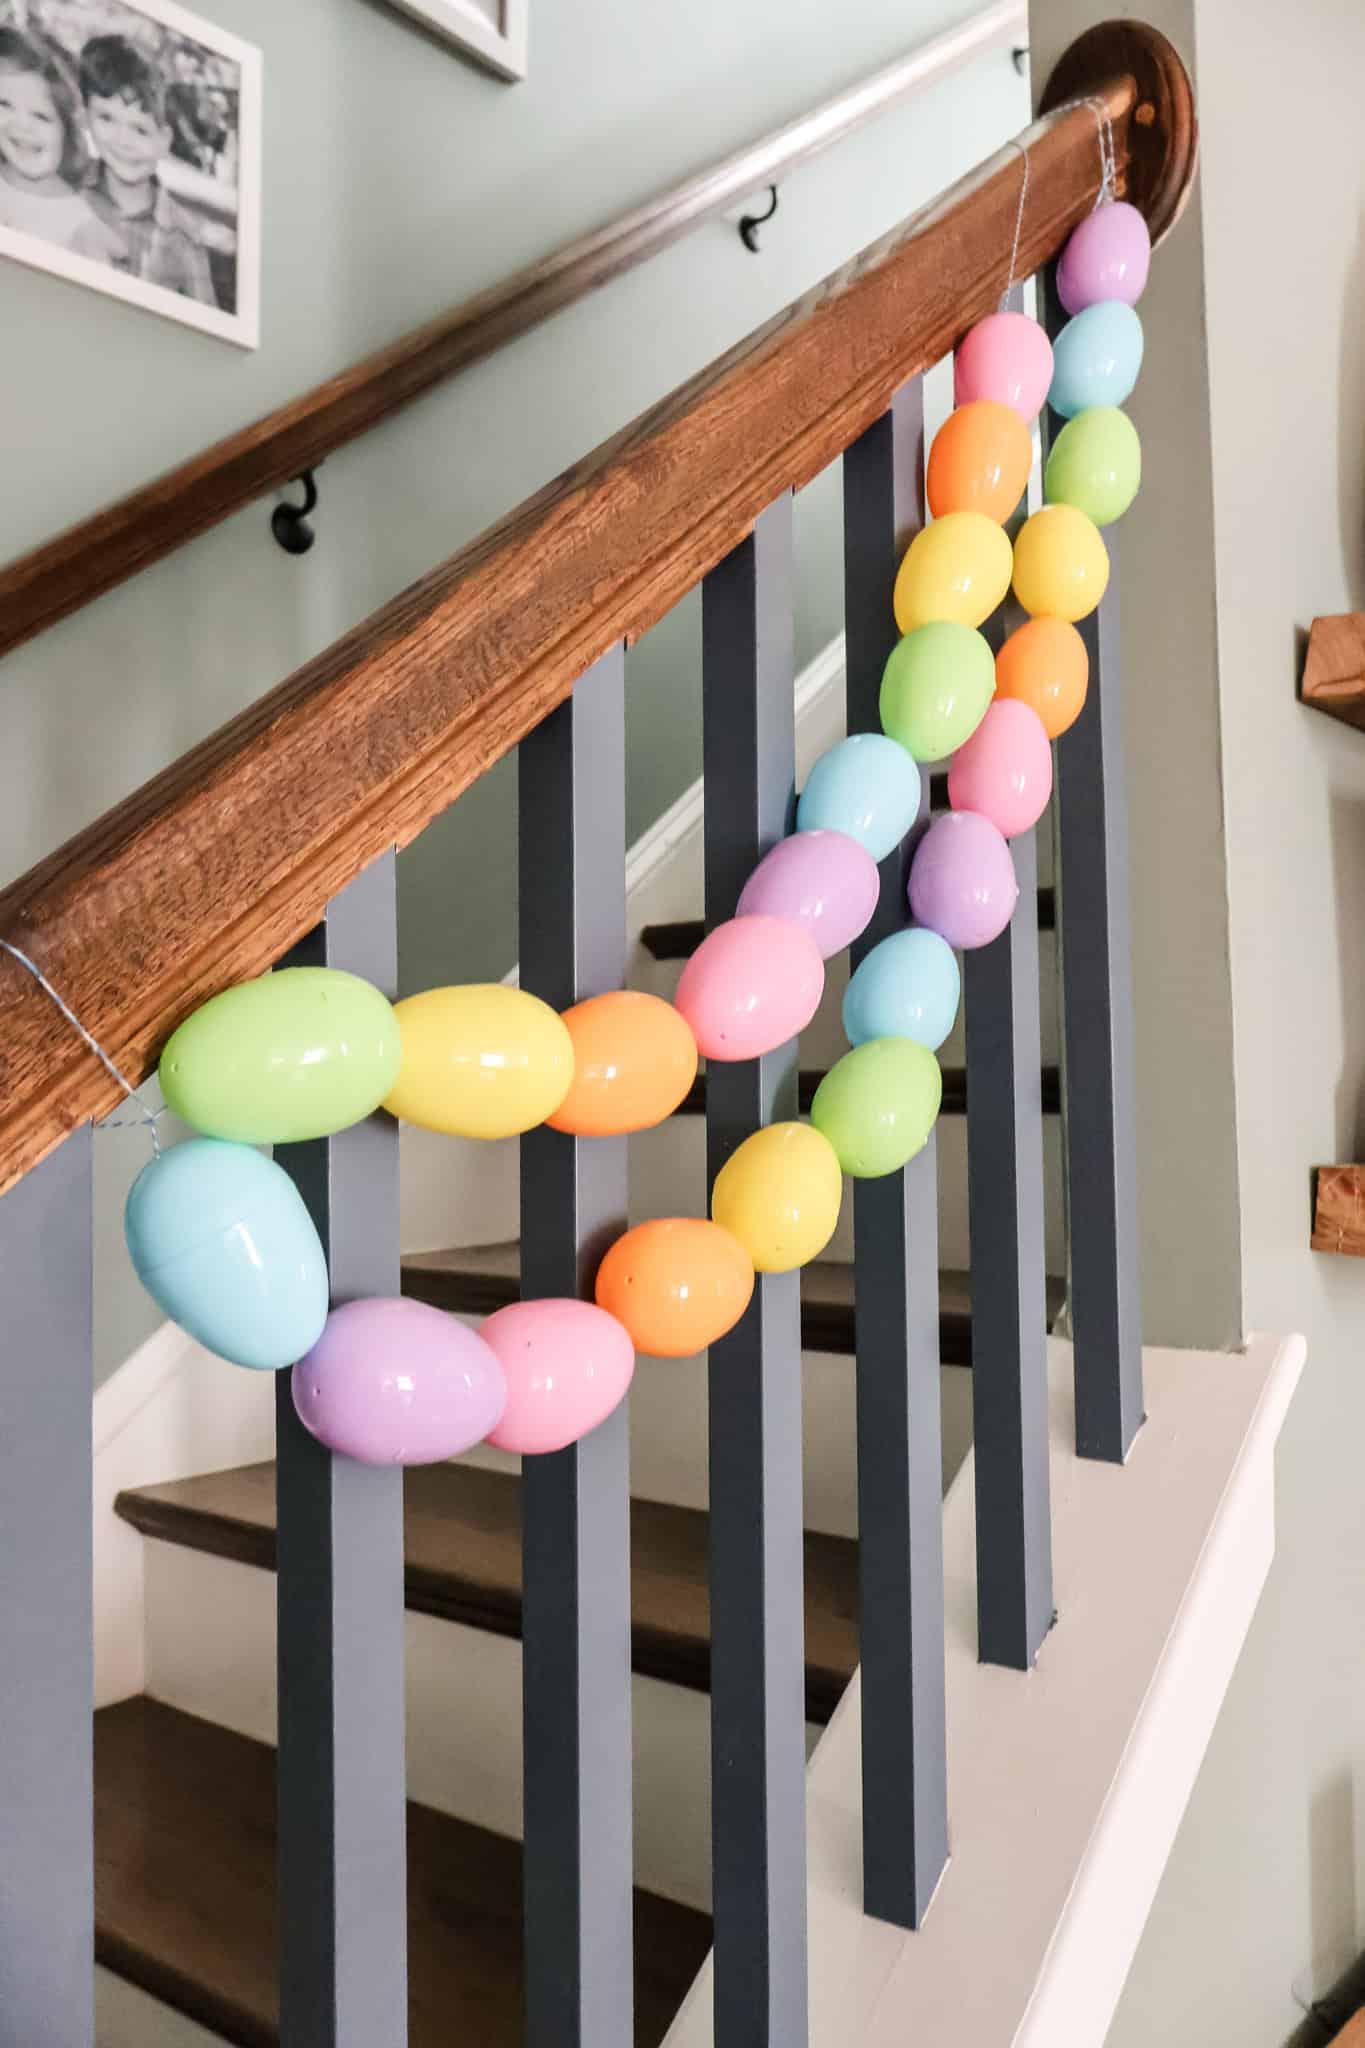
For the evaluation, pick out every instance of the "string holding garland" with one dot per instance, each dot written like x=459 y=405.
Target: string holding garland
x=218 y=1233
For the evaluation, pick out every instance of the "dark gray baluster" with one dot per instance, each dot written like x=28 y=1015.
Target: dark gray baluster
x=1009 y=1306
x=758 y=1752
x=900 y=1521
x=1101 y=1128
x=576 y=1502
x=342 y=1818
x=46 y=1628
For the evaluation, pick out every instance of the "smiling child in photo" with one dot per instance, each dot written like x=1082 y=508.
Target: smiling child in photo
x=125 y=103
x=43 y=157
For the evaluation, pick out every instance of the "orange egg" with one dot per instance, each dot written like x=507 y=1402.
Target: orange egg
x=979 y=461
x=634 y=1060
x=677 y=1285
x=1044 y=664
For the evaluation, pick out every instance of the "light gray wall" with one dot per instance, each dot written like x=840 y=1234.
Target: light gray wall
x=397 y=180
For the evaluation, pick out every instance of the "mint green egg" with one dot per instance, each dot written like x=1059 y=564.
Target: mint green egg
x=936 y=687
x=878 y=1105
x=1095 y=464
x=299 y=1054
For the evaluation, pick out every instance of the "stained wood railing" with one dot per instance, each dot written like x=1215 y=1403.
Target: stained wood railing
x=219 y=865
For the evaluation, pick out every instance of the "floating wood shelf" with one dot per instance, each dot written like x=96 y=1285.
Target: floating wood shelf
x=1334 y=673
x=1339 y=1210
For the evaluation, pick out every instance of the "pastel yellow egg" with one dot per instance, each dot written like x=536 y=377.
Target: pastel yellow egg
x=481 y=1061
x=957 y=568
x=779 y=1195
x=1061 y=566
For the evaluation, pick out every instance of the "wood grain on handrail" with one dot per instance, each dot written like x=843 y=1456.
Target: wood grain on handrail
x=209 y=873
x=67 y=572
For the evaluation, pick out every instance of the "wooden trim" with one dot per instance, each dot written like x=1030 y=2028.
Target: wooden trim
x=1334 y=668
x=214 y=869
x=80 y=564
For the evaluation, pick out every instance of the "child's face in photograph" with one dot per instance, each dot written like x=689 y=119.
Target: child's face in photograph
x=32 y=138
x=128 y=139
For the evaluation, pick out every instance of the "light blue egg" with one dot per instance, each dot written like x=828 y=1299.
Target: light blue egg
x=221 y=1240
x=907 y=987
x=867 y=787
x=1096 y=358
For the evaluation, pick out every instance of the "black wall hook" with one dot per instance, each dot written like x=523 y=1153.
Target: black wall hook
x=750 y=223
x=1020 y=56
x=289 y=523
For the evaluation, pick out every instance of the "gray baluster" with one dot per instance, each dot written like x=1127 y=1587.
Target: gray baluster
x=576 y=1502
x=900 y=1522
x=46 y=1626
x=758 y=1755
x=1101 y=1124
x=342 y=1817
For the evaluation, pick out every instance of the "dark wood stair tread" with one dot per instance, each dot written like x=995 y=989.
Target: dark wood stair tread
x=954 y=1092
x=680 y=939
x=477 y=1280
x=185 y=1895
x=462 y=1539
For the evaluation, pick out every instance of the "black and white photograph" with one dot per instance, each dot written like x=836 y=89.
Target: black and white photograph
x=130 y=140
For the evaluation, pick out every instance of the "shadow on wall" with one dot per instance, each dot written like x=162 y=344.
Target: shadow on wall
x=1351 y=456
x=1347 y=826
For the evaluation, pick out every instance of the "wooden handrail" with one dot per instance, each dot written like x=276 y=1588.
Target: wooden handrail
x=39 y=588
x=209 y=873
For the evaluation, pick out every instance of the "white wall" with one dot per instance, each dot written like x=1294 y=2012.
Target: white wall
x=1269 y=1871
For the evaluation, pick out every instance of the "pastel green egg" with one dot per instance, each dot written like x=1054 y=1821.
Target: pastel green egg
x=936 y=688
x=1095 y=464
x=878 y=1105
x=299 y=1054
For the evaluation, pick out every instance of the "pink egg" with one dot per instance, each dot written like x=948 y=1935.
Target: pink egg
x=566 y=1364
x=1006 y=357
x=398 y=1383
x=823 y=881
x=1004 y=770
x=1107 y=257
x=750 y=986
x=962 y=880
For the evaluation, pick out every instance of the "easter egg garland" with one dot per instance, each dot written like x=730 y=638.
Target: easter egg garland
x=222 y=1241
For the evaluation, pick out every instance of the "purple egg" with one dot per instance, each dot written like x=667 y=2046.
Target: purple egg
x=398 y=1383
x=1107 y=257
x=823 y=881
x=962 y=881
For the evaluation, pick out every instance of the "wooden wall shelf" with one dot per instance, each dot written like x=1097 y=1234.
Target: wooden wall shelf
x=1339 y=1212
x=1334 y=673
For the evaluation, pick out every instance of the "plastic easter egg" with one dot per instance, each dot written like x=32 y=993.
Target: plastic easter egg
x=980 y=461
x=750 y=986
x=936 y=685
x=779 y=1193
x=482 y=1061
x=395 y=1382
x=1096 y=358
x=300 y=1053
x=1095 y=464
x=221 y=1240
x=878 y=1105
x=634 y=1060
x=1061 y=566
x=566 y=1365
x=1007 y=358
x=1106 y=257
x=962 y=880
x=909 y=986
x=956 y=568
x=866 y=787
x=1004 y=772
x=826 y=882
x=1044 y=665
x=677 y=1285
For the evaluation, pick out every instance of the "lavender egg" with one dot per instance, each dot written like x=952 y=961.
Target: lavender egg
x=394 y=1382
x=1107 y=257
x=824 y=881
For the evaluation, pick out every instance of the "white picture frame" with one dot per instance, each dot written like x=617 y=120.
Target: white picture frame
x=222 y=214
x=492 y=32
